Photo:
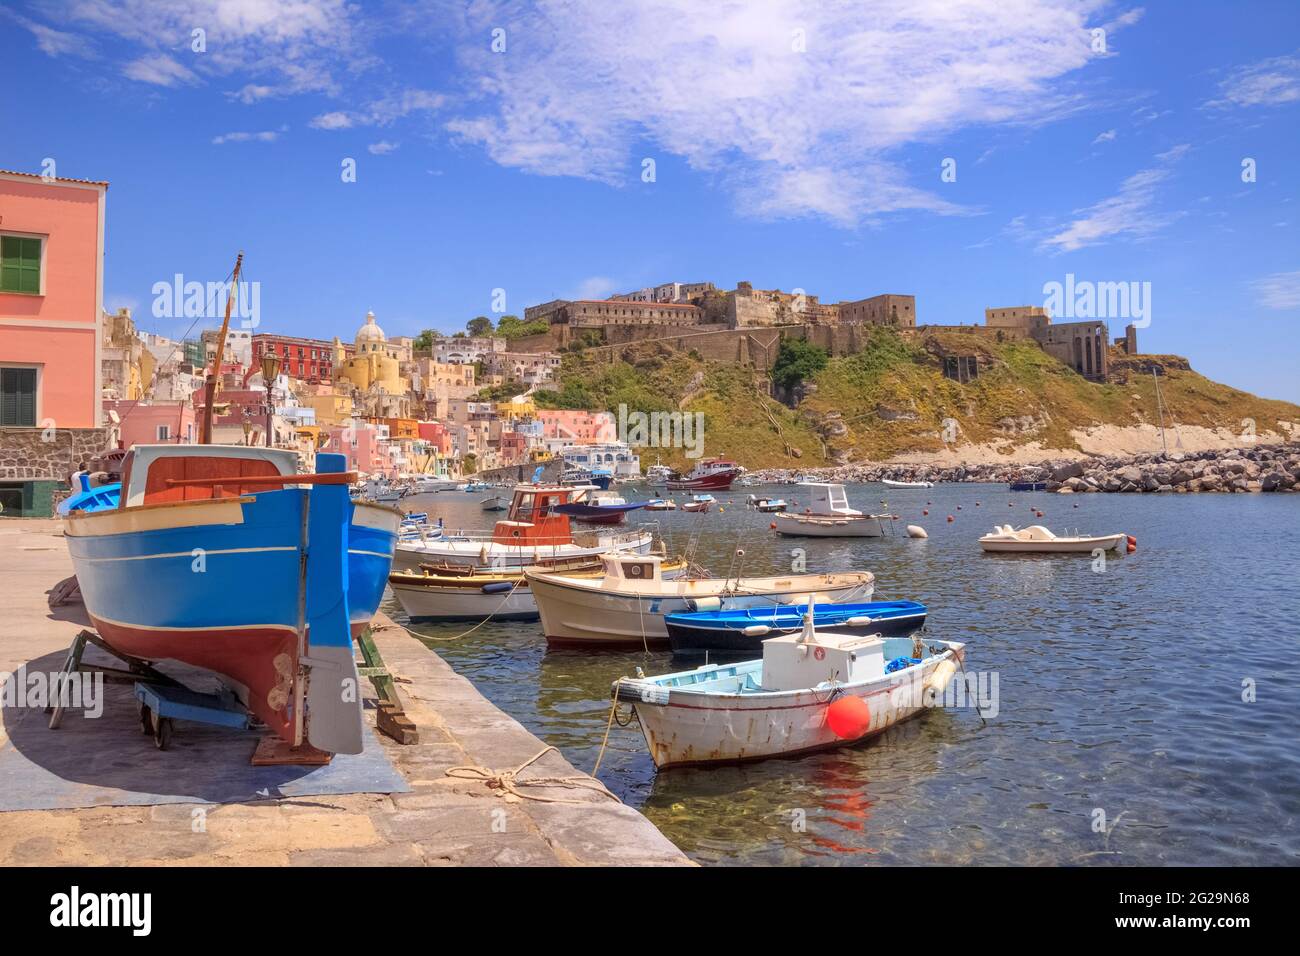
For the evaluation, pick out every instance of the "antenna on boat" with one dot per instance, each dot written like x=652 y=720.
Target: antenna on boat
x=809 y=632
x=210 y=386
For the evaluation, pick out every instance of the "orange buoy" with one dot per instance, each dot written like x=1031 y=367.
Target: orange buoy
x=848 y=717
x=1132 y=544
x=950 y=517
x=772 y=526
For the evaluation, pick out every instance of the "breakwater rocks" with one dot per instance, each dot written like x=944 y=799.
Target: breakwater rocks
x=1263 y=468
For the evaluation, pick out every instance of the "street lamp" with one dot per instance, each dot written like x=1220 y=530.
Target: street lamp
x=270 y=369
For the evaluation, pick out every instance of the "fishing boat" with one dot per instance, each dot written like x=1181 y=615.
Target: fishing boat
x=495 y=503
x=658 y=474
x=710 y=474
x=601 y=509
x=579 y=477
x=626 y=607
x=828 y=515
x=531 y=532
x=380 y=491
x=460 y=593
x=699 y=503
x=661 y=504
x=767 y=505
x=743 y=630
x=812 y=690
x=89 y=497
x=890 y=483
x=206 y=560
x=1036 y=539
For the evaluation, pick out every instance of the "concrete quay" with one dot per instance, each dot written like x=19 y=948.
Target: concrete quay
x=443 y=820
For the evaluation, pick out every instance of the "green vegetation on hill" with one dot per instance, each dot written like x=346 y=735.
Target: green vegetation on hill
x=892 y=397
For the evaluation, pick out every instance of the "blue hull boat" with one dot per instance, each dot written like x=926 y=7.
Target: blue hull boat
x=206 y=561
x=743 y=630
x=1028 y=486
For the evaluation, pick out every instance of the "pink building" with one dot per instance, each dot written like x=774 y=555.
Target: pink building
x=156 y=423
x=579 y=427
x=364 y=444
x=51 y=296
x=437 y=435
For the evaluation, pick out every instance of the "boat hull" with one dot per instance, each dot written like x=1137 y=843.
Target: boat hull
x=815 y=526
x=1054 y=546
x=484 y=553
x=573 y=615
x=215 y=584
x=686 y=728
x=719 y=481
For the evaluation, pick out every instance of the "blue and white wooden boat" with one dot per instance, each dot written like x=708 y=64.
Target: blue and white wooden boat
x=743 y=630
x=224 y=557
x=815 y=690
x=88 y=497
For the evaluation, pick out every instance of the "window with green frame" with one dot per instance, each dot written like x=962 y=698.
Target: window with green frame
x=20 y=264
x=18 y=397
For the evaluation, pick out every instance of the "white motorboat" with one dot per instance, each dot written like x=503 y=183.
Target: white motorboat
x=1036 y=539
x=381 y=491
x=828 y=515
x=532 y=532
x=626 y=607
x=699 y=503
x=661 y=504
x=767 y=505
x=452 y=593
x=495 y=503
x=889 y=483
x=430 y=484
x=811 y=691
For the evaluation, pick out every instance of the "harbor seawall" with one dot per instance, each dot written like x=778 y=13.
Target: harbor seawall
x=442 y=820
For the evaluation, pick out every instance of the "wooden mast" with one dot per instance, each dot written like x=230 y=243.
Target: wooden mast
x=210 y=385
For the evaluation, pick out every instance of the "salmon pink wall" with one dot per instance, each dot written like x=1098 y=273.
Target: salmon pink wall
x=58 y=330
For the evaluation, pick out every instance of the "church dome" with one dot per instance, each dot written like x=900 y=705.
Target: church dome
x=370 y=332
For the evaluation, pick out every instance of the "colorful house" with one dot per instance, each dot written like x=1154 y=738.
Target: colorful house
x=51 y=321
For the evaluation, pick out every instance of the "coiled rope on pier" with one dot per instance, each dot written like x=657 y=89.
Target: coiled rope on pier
x=507 y=783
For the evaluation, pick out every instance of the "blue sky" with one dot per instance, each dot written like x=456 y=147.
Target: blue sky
x=795 y=145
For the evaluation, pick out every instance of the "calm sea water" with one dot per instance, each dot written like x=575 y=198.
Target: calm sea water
x=1119 y=693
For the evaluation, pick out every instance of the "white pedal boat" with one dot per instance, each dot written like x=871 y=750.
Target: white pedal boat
x=1037 y=539
x=786 y=703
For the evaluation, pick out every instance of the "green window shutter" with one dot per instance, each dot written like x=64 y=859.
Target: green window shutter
x=20 y=264
x=18 y=396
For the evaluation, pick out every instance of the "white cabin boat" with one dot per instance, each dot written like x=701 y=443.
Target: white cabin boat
x=1036 y=539
x=828 y=515
x=626 y=607
x=532 y=532
x=812 y=691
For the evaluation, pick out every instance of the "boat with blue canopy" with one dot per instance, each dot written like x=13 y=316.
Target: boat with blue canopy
x=743 y=630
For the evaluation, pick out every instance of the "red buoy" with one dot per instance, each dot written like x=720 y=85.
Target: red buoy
x=848 y=717
x=950 y=517
x=925 y=511
x=772 y=526
x=1132 y=544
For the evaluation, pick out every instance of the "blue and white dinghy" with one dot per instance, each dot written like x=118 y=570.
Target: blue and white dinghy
x=815 y=690
x=743 y=630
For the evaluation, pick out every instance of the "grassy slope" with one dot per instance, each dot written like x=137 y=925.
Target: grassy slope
x=901 y=375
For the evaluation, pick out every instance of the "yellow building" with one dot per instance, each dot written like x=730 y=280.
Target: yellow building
x=374 y=364
x=516 y=408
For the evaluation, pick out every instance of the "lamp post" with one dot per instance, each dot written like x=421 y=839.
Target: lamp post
x=270 y=369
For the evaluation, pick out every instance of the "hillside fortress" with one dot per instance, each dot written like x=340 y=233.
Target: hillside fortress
x=744 y=325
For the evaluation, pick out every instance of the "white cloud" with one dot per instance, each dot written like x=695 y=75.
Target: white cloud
x=1105 y=137
x=1281 y=290
x=598 y=86
x=1266 y=83
x=265 y=136
x=383 y=111
x=382 y=148
x=50 y=41
x=158 y=69
x=298 y=44
x=1131 y=213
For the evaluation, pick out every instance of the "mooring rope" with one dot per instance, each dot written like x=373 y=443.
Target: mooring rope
x=434 y=637
x=507 y=783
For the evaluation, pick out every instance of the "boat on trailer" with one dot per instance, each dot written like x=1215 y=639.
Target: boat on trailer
x=810 y=691
x=828 y=515
x=532 y=532
x=206 y=561
x=626 y=606
x=1037 y=539
x=743 y=630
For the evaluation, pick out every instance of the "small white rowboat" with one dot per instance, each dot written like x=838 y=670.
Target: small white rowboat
x=1038 y=540
x=812 y=691
x=888 y=483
